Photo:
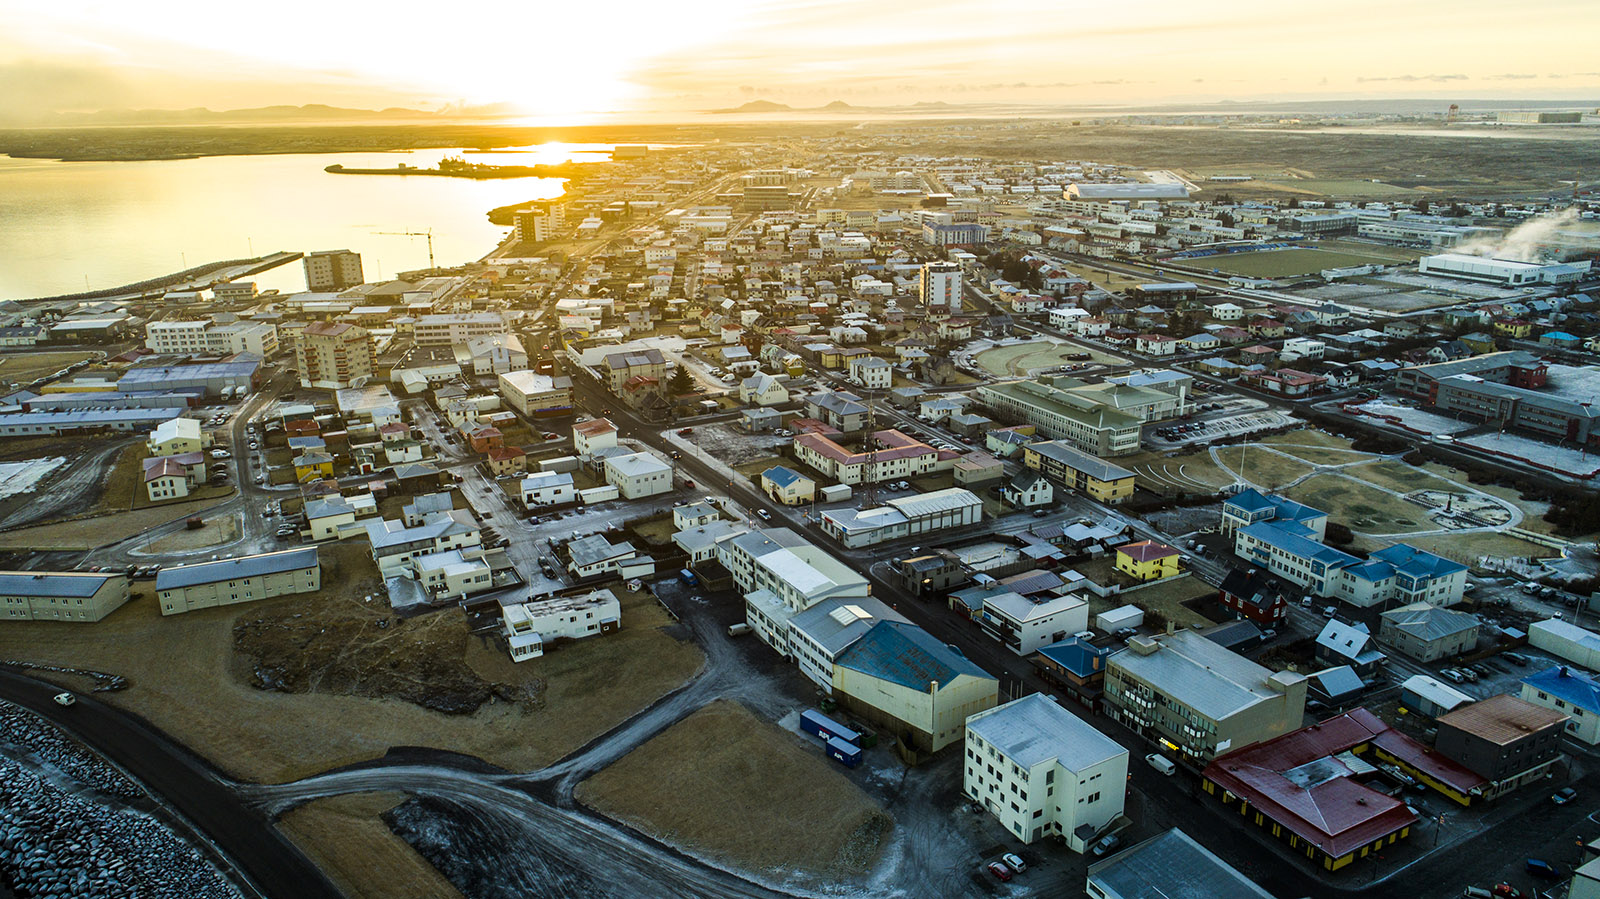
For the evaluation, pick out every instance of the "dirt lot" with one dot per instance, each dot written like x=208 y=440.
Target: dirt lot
x=186 y=681
x=755 y=796
x=346 y=837
x=217 y=530
x=24 y=367
x=87 y=533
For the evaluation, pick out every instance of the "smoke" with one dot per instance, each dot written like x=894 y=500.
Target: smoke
x=1551 y=235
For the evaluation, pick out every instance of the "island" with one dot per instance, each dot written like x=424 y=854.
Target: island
x=456 y=167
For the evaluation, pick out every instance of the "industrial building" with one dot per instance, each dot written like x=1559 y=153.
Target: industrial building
x=60 y=595
x=185 y=588
x=952 y=507
x=1505 y=272
x=1043 y=771
x=536 y=395
x=237 y=376
x=1568 y=641
x=906 y=682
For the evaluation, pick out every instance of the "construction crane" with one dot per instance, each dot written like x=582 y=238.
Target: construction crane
x=428 y=234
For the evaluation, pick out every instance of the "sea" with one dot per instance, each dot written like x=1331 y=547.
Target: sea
x=67 y=227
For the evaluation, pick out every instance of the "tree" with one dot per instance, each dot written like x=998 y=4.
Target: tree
x=681 y=382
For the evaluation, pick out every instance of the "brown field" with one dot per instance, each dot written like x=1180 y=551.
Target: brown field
x=756 y=796
x=346 y=837
x=1359 y=506
x=1263 y=467
x=87 y=533
x=186 y=679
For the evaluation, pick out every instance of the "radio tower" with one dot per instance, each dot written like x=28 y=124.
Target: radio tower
x=870 y=495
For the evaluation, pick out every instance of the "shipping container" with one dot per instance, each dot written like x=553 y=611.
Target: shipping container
x=819 y=725
x=846 y=754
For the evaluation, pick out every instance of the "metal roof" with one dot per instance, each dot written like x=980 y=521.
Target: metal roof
x=947 y=500
x=1092 y=466
x=1212 y=680
x=1562 y=682
x=1502 y=719
x=1428 y=622
x=180 y=576
x=907 y=655
x=1035 y=729
x=835 y=624
x=52 y=583
x=1171 y=866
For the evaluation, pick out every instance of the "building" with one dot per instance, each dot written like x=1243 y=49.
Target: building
x=457 y=329
x=333 y=355
x=532 y=627
x=166 y=478
x=60 y=595
x=788 y=486
x=619 y=368
x=1169 y=866
x=1305 y=788
x=452 y=574
x=491 y=354
x=871 y=373
x=1085 y=423
x=1568 y=692
x=332 y=270
x=1426 y=633
x=1514 y=367
x=1549 y=416
x=913 y=687
x=185 y=588
x=780 y=574
x=893 y=455
x=1198 y=697
x=1043 y=771
x=1251 y=505
x=537 y=395
x=699 y=541
x=539 y=223
x=1025 y=625
x=595 y=556
x=1566 y=640
x=952 y=507
x=1028 y=490
x=176 y=436
x=939 y=284
x=1507 y=741
x=839 y=410
x=548 y=488
x=763 y=390
x=1349 y=643
x=820 y=634
x=592 y=435
x=200 y=338
x=395 y=543
x=1504 y=272
x=1096 y=478
x=1250 y=593
x=638 y=475
x=1429 y=697
x=1148 y=560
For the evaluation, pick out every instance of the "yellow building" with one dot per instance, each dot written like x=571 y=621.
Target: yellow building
x=914 y=688
x=60 y=595
x=1148 y=560
x=184 y=588
x=1089 y=475
x=788 y=486
x=1513 y=327
x=313 y=465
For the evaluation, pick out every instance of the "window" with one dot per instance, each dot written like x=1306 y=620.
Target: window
x=1094 y=797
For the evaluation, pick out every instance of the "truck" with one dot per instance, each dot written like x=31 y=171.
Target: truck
x=824 y=728
x=846 y=754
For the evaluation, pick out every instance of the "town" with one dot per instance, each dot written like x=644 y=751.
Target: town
x=779 y=518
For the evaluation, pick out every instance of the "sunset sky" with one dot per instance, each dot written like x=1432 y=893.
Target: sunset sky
x=564 y=60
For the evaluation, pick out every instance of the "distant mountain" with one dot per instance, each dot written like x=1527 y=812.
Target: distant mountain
x=314 y=112
x=759 y=106
x=838 y=104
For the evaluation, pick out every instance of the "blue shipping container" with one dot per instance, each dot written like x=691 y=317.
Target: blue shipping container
x=821 y=726
x=844 y=753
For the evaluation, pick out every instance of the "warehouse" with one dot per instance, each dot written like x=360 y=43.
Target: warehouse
x=1506 y=272
x=60 y=595
x=51 y=424
x=953 y=507
x=536 y=395
x=184 y=588
x=904 y=680
x=241 y=374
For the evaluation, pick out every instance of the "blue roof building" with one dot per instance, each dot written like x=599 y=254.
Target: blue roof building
x=1571 y=692
x=904 y=681
x=1250 y=506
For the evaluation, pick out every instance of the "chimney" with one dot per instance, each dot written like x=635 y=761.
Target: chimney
x=1172 y=628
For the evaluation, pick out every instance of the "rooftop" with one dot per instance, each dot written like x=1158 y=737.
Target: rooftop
x=1501 y=719
x=907 y=655
x=179 y=576
x=52 y=583
x=1197 y=672
x=1577 y=688
x=1171 y=866
x=1035 y=729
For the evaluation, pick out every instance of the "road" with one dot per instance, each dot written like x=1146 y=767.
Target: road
x=262 y=855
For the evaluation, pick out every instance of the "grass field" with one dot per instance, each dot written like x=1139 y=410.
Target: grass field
x=755 y=796
x=1166 y=598
x=1467 y=548
x=1161 y=473
x=1400 y=476
x=24 y=368
x=346 y=838
x=1262 y=467
x=1281 y=263
x=187 y=680
x=1331 y=187
x=1019 y=359
x=87 y=533
x=1323 y=455
x=1362 y=508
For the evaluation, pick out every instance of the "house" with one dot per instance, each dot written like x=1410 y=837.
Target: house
x=912 y=686
x=1227 y=312
x=203 y=585
x=838 y=409
x=1249 y=592
x=976 y=469
x=396 y=543
x=595 y=556
x=312 y=465
x=1148 y=560
x=329 y=519
x=60 y=595
x=1345 y=643
x=931 y=573
x=1426 y=633
x=1227 y=701
x=1505 y=740
x=1004 y=443
x=1266 y=328
x=1024 y=625
x=548 y=488
x=788 y=486
x=451 y=574
x=695 y=514
x=1568 y=692
x=1155 y=344
x=594 y=434
x=531 y=627
x=1043 y=771
x=1429 y=697
x=871 y=373
x=638 y=475
x=1077 y=665
x=1027 y=490
x=763 y=390
x=1168 y=865
x=175 y=436
x=165 y=480
x=507 y=460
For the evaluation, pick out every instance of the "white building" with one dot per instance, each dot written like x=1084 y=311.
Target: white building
x=939 y=284
x=1507 y=272
x=1044 y=771
x=1024 y=625
x=819 y=634
x=780 y=574
x=494 y=354
x=871 y=373
x=530 y=627
x=638 y=475
x=548 y=488
x=588 y=436
x=952 y=507
x=452 y=573
x=395 y=544
x=176 y=436
x=434 y=330
x=332 y=270
x=184 y=588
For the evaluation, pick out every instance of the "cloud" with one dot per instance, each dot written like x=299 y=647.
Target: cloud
x=1510 y=76
x=1413 y=78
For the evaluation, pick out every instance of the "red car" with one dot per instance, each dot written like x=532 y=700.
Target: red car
x=999 y=870
x=684 y=432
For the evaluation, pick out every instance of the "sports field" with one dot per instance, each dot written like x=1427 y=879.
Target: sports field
x=1020 y=358
x=1282 y=263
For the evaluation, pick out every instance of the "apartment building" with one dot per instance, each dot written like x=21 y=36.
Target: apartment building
x=781 y=574
x=939 y=284
x=1091 y=476
x=820 y=634
x=332 y=270
x=1043 y=771
x=838 y=409
x=1426 y=632
x=203 y=585
x=1506 y=740
x=1198 y=696
x=893 y=455
x=532 y=627
x=449 y=330
x=333 y=355
x=1569 y=692
x=60 y=595
x=1024 y=624
x=1086 y=424
x=396 y=543
x=208 y=338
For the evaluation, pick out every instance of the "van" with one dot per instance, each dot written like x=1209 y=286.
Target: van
x=738 y=630
x=688 y=577
x=1161 y=763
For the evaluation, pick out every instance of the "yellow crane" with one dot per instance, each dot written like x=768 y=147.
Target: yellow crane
x=428 y=234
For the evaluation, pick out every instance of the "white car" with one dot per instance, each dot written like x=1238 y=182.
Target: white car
x=65 y=699
x=221 y=454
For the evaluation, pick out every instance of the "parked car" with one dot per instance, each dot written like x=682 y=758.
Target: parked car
x=1453 y=675
x=684 y=432
x=65 y=699
x=1538 y=867
x=765 y=515
x=1014 y=862
x=1564 y=796
x=1105 y=845
x=999 y=870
